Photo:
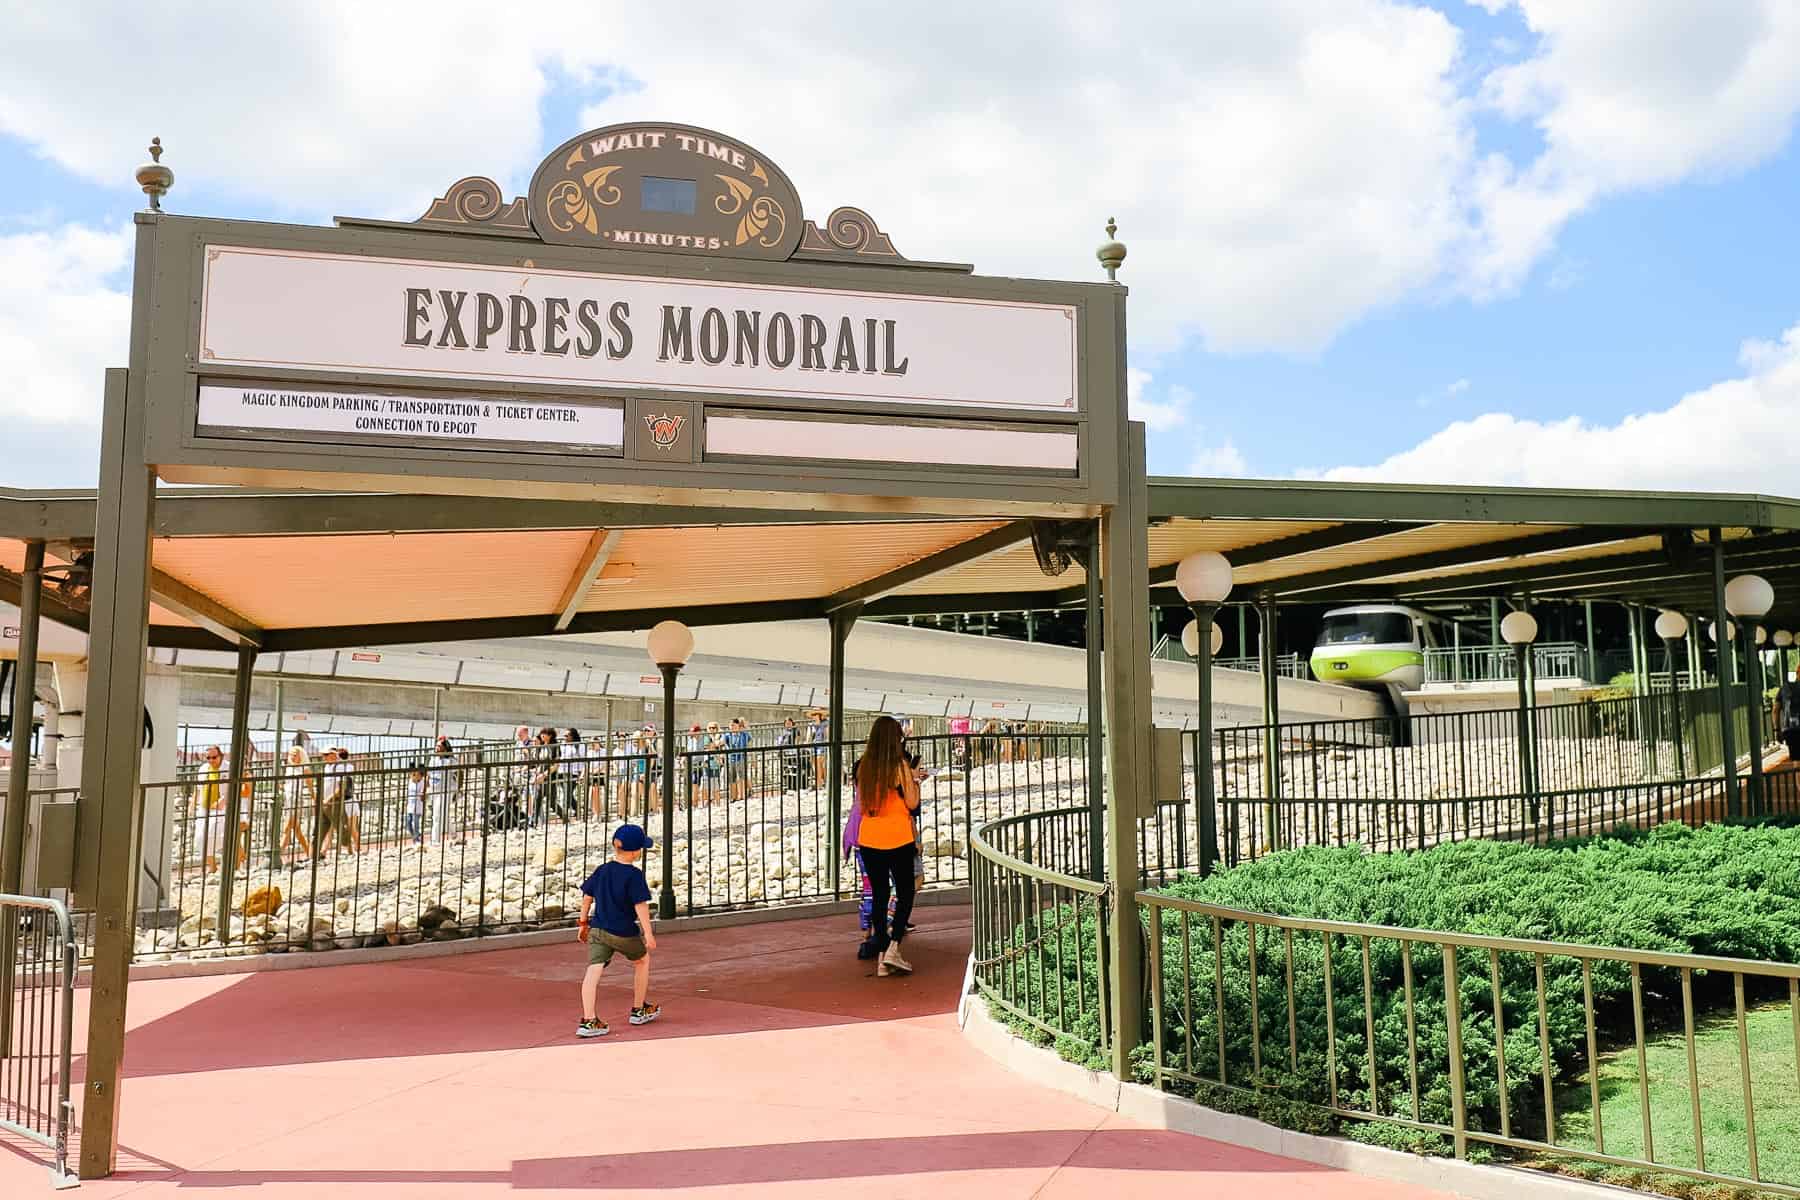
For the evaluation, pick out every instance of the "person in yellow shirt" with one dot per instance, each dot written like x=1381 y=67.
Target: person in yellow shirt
x=887 y=796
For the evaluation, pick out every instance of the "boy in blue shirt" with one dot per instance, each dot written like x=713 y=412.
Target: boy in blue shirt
x=617 y=897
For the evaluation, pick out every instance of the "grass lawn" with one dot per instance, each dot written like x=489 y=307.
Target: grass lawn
x=1774 y=1087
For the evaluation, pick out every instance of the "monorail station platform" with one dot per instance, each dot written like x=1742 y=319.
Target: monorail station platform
x=781 y=1067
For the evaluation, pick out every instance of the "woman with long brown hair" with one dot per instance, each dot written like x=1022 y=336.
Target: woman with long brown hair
x=887 y=796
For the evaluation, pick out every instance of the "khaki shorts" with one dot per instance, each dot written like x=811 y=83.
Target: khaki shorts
x=603 y=945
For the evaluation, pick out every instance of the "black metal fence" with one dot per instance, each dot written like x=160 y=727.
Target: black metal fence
x=1564 y=769
x=37 y=1012
x=502 y=845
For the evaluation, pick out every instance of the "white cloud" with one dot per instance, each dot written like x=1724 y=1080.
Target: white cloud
x=64 y=318
x=1160 y=409
x=1737 y=435
x=317 y=109
x=1277 y=169
x=1628 y=96
x=1457 y=387
x=1223 y=459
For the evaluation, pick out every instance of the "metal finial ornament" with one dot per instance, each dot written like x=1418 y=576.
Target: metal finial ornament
x=1112 y=251
x=155 y=178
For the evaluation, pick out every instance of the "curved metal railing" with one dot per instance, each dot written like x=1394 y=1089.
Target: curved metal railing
x=1640 y=1059
x=1040 y=948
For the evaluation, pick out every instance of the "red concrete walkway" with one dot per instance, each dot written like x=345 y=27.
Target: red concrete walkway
x=782 y=1067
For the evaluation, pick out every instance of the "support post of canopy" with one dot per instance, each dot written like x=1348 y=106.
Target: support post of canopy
x=1096 y=700
x=1592 y=674
x=842 y=620
x=238 y=773
x=1753 y=712
x=112 y=802
x=1271 y=715
x=1727 y=718
x=1125 y=552
x=282 y=773
x=18 y=791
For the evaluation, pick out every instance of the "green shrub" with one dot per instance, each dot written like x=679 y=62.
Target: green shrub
x=1725 y=890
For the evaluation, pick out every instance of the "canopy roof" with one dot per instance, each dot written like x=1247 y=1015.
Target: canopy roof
x=307 y=570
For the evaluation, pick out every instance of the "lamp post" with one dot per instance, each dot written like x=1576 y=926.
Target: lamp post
x=1671 y=627
x=1520 y=629
x=670 y=644
x=1750 y=597
x=1204 y=580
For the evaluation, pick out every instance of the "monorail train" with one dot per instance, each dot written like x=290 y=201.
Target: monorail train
x=1377 y=646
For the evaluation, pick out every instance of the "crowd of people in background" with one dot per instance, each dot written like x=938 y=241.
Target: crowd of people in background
x=549 y=775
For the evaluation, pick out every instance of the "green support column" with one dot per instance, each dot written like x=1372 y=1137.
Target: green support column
x=1243 y=612
x=281 y=770
x=841 y=623
x=1096 y=703
x=1640 y=685
x=1206 y=831
x=1587 y=623
x=235 y=775
x=1727 y=735
x=1675 y=710
x=1125 y=562
x=111 y=801
x=1696 y=667
x=1271 y=715
x=1753 y=702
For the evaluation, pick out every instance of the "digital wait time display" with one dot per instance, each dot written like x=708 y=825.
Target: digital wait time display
x=668 y=195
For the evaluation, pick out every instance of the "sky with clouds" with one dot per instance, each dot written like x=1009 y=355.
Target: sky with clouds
x=1472 y=241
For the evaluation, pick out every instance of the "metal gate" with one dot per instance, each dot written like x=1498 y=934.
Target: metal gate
x=37 y=1009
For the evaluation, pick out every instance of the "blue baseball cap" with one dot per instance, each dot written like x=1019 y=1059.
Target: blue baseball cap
x=632 y=837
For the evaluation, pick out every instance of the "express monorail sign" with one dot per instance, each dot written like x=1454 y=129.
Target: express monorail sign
x=466 y=321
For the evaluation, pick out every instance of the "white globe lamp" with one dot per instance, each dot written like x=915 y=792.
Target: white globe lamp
x=670 y=644
x=1203 y=578
x=1190 y=639
x=1518 y=629
x=1671 y=626
x=1749 y=596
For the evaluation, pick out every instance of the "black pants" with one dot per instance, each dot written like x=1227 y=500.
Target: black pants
x=890 y=871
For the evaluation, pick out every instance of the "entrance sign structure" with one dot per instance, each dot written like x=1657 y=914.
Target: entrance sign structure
x=655 y=326
x=556 y=480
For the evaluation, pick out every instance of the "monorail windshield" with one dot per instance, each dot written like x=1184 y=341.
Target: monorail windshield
x=1366 y=628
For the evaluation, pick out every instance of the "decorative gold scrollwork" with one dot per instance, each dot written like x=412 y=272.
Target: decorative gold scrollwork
x=571 y=204
x=476 y=200
x=763 y=217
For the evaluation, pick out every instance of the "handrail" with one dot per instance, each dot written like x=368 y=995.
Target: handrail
x=999 y=857
x=1215 y=939
x=1477 y=941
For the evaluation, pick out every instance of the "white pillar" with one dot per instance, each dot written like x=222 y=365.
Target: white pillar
x=71 y=698
x=162 y=698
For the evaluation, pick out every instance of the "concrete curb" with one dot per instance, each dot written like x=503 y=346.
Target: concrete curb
x=295 y=960
x=1159 y=1110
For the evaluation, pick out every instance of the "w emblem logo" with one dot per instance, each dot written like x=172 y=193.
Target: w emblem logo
x=664 y=430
